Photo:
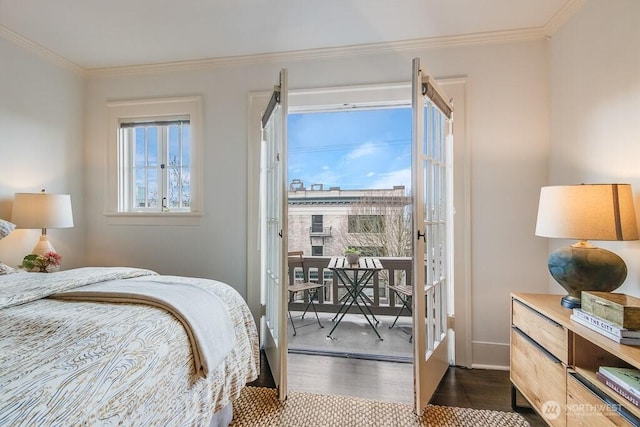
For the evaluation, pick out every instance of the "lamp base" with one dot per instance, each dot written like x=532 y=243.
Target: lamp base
x=582 y=267
x=43 y=246
x=570 y=302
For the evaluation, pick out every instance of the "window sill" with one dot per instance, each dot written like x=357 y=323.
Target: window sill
x=154 y=218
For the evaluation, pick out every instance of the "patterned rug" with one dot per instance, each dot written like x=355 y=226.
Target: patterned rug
x=259 y=406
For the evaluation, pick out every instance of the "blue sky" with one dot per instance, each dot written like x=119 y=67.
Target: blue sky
x=351 y=149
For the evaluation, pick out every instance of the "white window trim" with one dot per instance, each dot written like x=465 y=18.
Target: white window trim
x=145 y=108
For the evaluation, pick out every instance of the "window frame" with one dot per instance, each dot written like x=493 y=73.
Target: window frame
x=315 y=221
x=149 y=110
x=365 y=223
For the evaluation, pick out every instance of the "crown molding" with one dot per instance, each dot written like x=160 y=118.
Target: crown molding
x=563 y=16
x=506 y=36
x=526 y=34
x=41 y=51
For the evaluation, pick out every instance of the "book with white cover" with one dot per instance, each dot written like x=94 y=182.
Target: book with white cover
x=606 y=325
x=614 y=337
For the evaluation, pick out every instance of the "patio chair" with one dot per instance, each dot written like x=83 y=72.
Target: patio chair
x=404 y=293
x=296 y=260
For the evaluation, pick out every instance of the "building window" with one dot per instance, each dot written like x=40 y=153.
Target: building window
x=317 y=250
x=316 y=224
x=154 y=161
x=366 y=224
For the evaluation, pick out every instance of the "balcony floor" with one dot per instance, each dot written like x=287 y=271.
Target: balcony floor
x=353 y=337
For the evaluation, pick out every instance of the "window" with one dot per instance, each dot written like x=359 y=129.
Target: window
x=317 y=250
x=366 y=224
x=316 y=224
x=157 y=177
x=154 y=161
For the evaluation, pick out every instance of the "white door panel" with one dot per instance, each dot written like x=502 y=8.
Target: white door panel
x=273 y=238
x=432 y=214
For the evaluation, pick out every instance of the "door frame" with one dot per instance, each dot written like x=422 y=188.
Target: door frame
x=311 y=98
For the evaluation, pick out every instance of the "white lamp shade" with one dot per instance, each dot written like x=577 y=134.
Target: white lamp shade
x=587 y=212
x=42 y=210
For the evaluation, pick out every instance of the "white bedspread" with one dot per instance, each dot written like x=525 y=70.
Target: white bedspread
x=201 y=312
x=87 y=363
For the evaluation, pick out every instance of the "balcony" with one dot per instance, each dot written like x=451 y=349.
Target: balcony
x=397 y=270
x=320 y=232
x=353 y=337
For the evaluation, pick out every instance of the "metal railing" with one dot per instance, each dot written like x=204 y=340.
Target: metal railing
x=320 y=231
x=396 y=271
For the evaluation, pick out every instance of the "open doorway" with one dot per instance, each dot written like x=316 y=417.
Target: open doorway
x=349 y=169
x=395 y=95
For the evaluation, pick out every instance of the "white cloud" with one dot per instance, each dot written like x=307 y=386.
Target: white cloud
x=363 y=150
x=389 y=179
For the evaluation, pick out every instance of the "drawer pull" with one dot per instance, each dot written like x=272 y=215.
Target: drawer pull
x=538 y=313
x=624 y=412
x=536 y=345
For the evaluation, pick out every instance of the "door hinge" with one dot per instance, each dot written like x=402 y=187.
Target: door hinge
x=263 y=310
x=451 y=322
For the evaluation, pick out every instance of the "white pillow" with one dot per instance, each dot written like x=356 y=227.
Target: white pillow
x=5 y=228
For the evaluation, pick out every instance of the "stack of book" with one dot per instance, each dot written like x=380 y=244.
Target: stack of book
x=607 y=328
x=624 y=381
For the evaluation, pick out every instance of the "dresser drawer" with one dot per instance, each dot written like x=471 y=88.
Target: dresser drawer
x=549 y=334
x=586 y=409
x=540 y=377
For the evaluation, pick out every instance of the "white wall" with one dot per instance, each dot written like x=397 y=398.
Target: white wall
x=507 y=118
x=595 y=109
x=41 y=146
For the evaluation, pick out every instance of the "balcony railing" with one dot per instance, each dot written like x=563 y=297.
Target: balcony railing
x=382 y=301
x=320 y=231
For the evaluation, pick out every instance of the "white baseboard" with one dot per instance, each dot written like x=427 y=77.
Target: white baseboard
x=490 y=355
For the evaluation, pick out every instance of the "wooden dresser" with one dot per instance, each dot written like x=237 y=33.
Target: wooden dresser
x=554 y=362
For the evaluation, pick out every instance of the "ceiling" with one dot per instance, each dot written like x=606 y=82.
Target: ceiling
x=116 y=33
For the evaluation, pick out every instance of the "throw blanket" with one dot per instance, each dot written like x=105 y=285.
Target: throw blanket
x=202 y=313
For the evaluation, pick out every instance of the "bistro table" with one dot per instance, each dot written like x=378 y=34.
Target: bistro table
x=355 y=277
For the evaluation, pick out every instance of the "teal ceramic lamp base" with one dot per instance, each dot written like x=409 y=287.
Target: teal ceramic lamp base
x=584 y=267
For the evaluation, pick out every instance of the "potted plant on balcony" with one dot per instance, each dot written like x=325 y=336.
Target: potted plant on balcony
x=353 y=255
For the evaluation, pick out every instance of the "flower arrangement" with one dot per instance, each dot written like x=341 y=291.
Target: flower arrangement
x=41 y=263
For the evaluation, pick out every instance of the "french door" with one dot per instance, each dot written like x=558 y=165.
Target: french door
x=273 y=232
x=433 y=233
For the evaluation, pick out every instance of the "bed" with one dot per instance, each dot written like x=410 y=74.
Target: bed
x=82 y=361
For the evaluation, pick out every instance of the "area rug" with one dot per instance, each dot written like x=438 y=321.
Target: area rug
x=259 y=406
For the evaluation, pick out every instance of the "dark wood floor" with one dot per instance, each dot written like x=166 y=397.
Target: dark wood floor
x=469 y=388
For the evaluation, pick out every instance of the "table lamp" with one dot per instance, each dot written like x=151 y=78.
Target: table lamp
x=42 y=210
x=586 y=212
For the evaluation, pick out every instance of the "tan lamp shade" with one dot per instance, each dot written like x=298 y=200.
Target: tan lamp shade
x=587 y=212
x=42 y=210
